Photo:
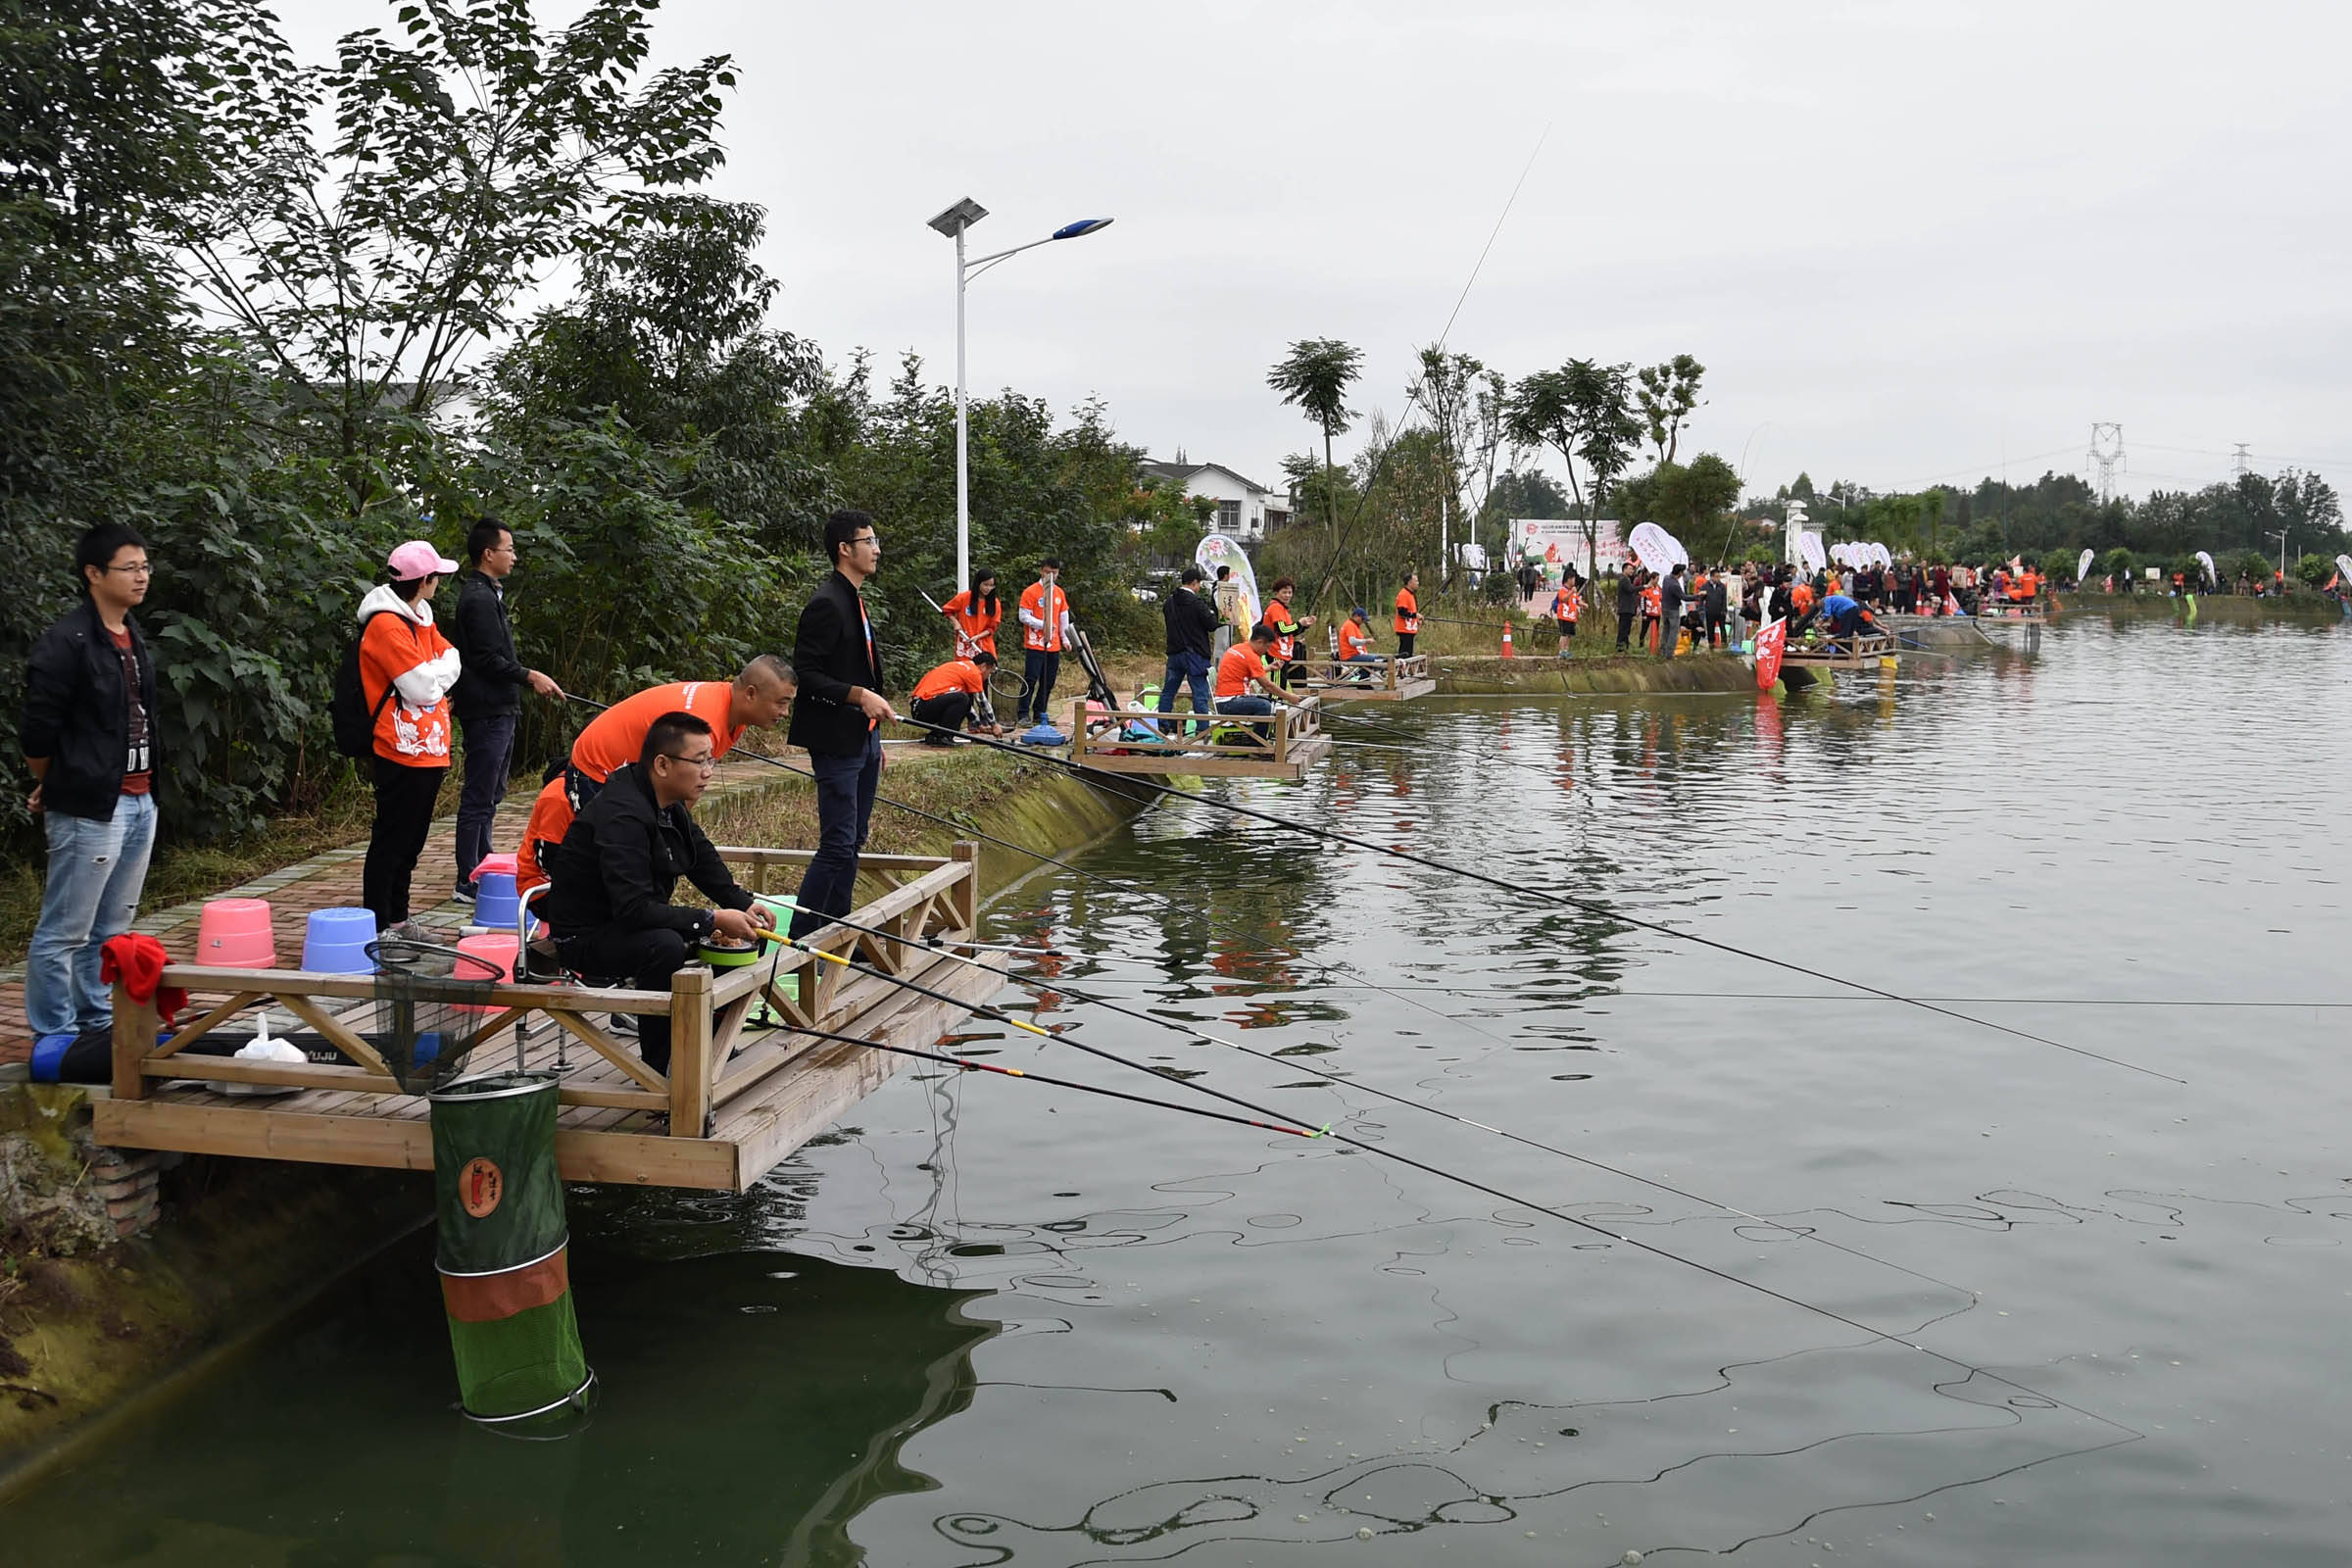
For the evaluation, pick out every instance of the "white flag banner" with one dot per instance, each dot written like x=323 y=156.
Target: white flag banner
x=1809 y=554
x=2082 y=566
x=2212 y=578
x=1656 y=549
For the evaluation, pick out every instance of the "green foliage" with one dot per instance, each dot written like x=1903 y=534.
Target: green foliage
x=1667 y=394
x=369 y=268
x=2252 y=564
x=1582 y=412
x=1316 y=375
x=2313 y=570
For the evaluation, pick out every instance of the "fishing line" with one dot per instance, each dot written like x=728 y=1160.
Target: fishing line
x=968 y=1064
x=1482 y=1187
x=1177 y=1026
x=1330 y=571
x=1118 y=885
x=1586 y=905
x=998 y=1015
x=1492 y=1191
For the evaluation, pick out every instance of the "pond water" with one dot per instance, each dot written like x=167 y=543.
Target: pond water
x=995 y=1322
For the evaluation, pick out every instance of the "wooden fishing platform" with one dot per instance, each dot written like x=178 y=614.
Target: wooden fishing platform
x=1860 y=651
x=1394 y=680
x=1281 y=745
x=737 y=1099
x=1997 y=612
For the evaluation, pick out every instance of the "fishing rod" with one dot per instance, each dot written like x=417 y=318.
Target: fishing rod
x=998 y=1015
x=1363 y=1146
x=1551 y=895
x=1475 y=1185
x=968 y=1064
x=1177 y=1026
x=1132 y=889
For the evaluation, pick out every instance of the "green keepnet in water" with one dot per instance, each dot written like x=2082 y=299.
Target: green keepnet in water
x=506 y=1284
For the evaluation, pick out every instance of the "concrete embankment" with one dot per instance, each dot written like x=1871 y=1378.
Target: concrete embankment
x=122 y=1271
x=1465 y=676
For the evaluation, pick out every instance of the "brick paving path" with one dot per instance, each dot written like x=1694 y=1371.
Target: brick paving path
x=323 y=882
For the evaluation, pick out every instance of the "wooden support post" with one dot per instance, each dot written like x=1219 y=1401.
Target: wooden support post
x=690 y=1038
x=965 y=900
x=135 y=1024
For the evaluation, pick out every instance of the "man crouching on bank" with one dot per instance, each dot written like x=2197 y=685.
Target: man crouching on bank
x=621 y=862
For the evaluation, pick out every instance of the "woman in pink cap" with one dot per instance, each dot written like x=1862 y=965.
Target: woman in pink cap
x=407 y=668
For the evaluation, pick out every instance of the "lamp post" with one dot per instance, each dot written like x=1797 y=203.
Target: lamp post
x=953 y=222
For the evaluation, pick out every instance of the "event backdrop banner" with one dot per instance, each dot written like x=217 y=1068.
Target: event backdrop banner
x=1560 y=542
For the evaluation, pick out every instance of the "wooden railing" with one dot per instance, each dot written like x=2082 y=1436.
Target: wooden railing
x=707 y=1010
x=1387 y=675
x=1110 y=738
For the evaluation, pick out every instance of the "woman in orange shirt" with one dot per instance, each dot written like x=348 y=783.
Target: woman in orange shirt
x=407 y=668
x=975 y=614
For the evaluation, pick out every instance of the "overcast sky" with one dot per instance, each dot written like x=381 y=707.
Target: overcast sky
x=1908 y=240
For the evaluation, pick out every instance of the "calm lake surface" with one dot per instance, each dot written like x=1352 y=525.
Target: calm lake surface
x=995 y=1322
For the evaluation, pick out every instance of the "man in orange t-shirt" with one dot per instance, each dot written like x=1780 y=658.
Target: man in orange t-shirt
x=1409 y=614
x=944 y=698
x=1242 y=667
x=757 y=698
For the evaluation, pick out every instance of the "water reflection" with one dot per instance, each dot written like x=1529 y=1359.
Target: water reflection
x=755 y=1404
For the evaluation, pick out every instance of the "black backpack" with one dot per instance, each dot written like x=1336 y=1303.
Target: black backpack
x=348 y=709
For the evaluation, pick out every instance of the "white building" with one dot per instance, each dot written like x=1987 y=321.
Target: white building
x=1246 y=509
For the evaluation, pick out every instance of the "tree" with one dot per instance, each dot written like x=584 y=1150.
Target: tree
x=1667 y=394
x=1582 y=411
x=1465 y=403
x=1316 y=376
x=368 y=271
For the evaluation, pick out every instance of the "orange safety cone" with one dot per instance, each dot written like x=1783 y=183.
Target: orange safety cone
x=1507 y=651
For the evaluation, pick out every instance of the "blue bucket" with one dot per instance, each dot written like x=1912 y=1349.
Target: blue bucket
x=335 y=941
x=48 y=1053
x=495 y=905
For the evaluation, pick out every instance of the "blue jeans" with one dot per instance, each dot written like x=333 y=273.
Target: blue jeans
x=96 y=871
x=845 y=806
x=1245 y=706
x=1189 y=669
x=489 y=748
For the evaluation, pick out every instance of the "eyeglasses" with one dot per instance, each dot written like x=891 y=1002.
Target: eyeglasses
x=145 y=568
x=874 y=539
x=708 y=765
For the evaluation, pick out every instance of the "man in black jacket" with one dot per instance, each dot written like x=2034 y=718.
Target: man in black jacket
x=88 y=732
x=1628 y=603
x=619 y=862
x=838 y=716
x=1671 y=595
x=1192 y=623
x=489 y=694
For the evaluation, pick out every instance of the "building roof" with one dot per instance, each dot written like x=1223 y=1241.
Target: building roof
x=1182 y=473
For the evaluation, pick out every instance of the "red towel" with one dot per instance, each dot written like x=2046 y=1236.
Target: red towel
x=139 y=959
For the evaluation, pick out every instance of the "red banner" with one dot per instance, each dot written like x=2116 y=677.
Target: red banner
x=1770 y=642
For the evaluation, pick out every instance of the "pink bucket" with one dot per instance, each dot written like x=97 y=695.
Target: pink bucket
x=235 y=934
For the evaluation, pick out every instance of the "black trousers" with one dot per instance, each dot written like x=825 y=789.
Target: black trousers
x=1624 y=628
x=1039 y=671
x=1404 y=644
x=949 y=711
x=404 y=817
x=646 y=959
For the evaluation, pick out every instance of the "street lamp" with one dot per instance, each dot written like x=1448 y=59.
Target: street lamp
x=953 y=222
